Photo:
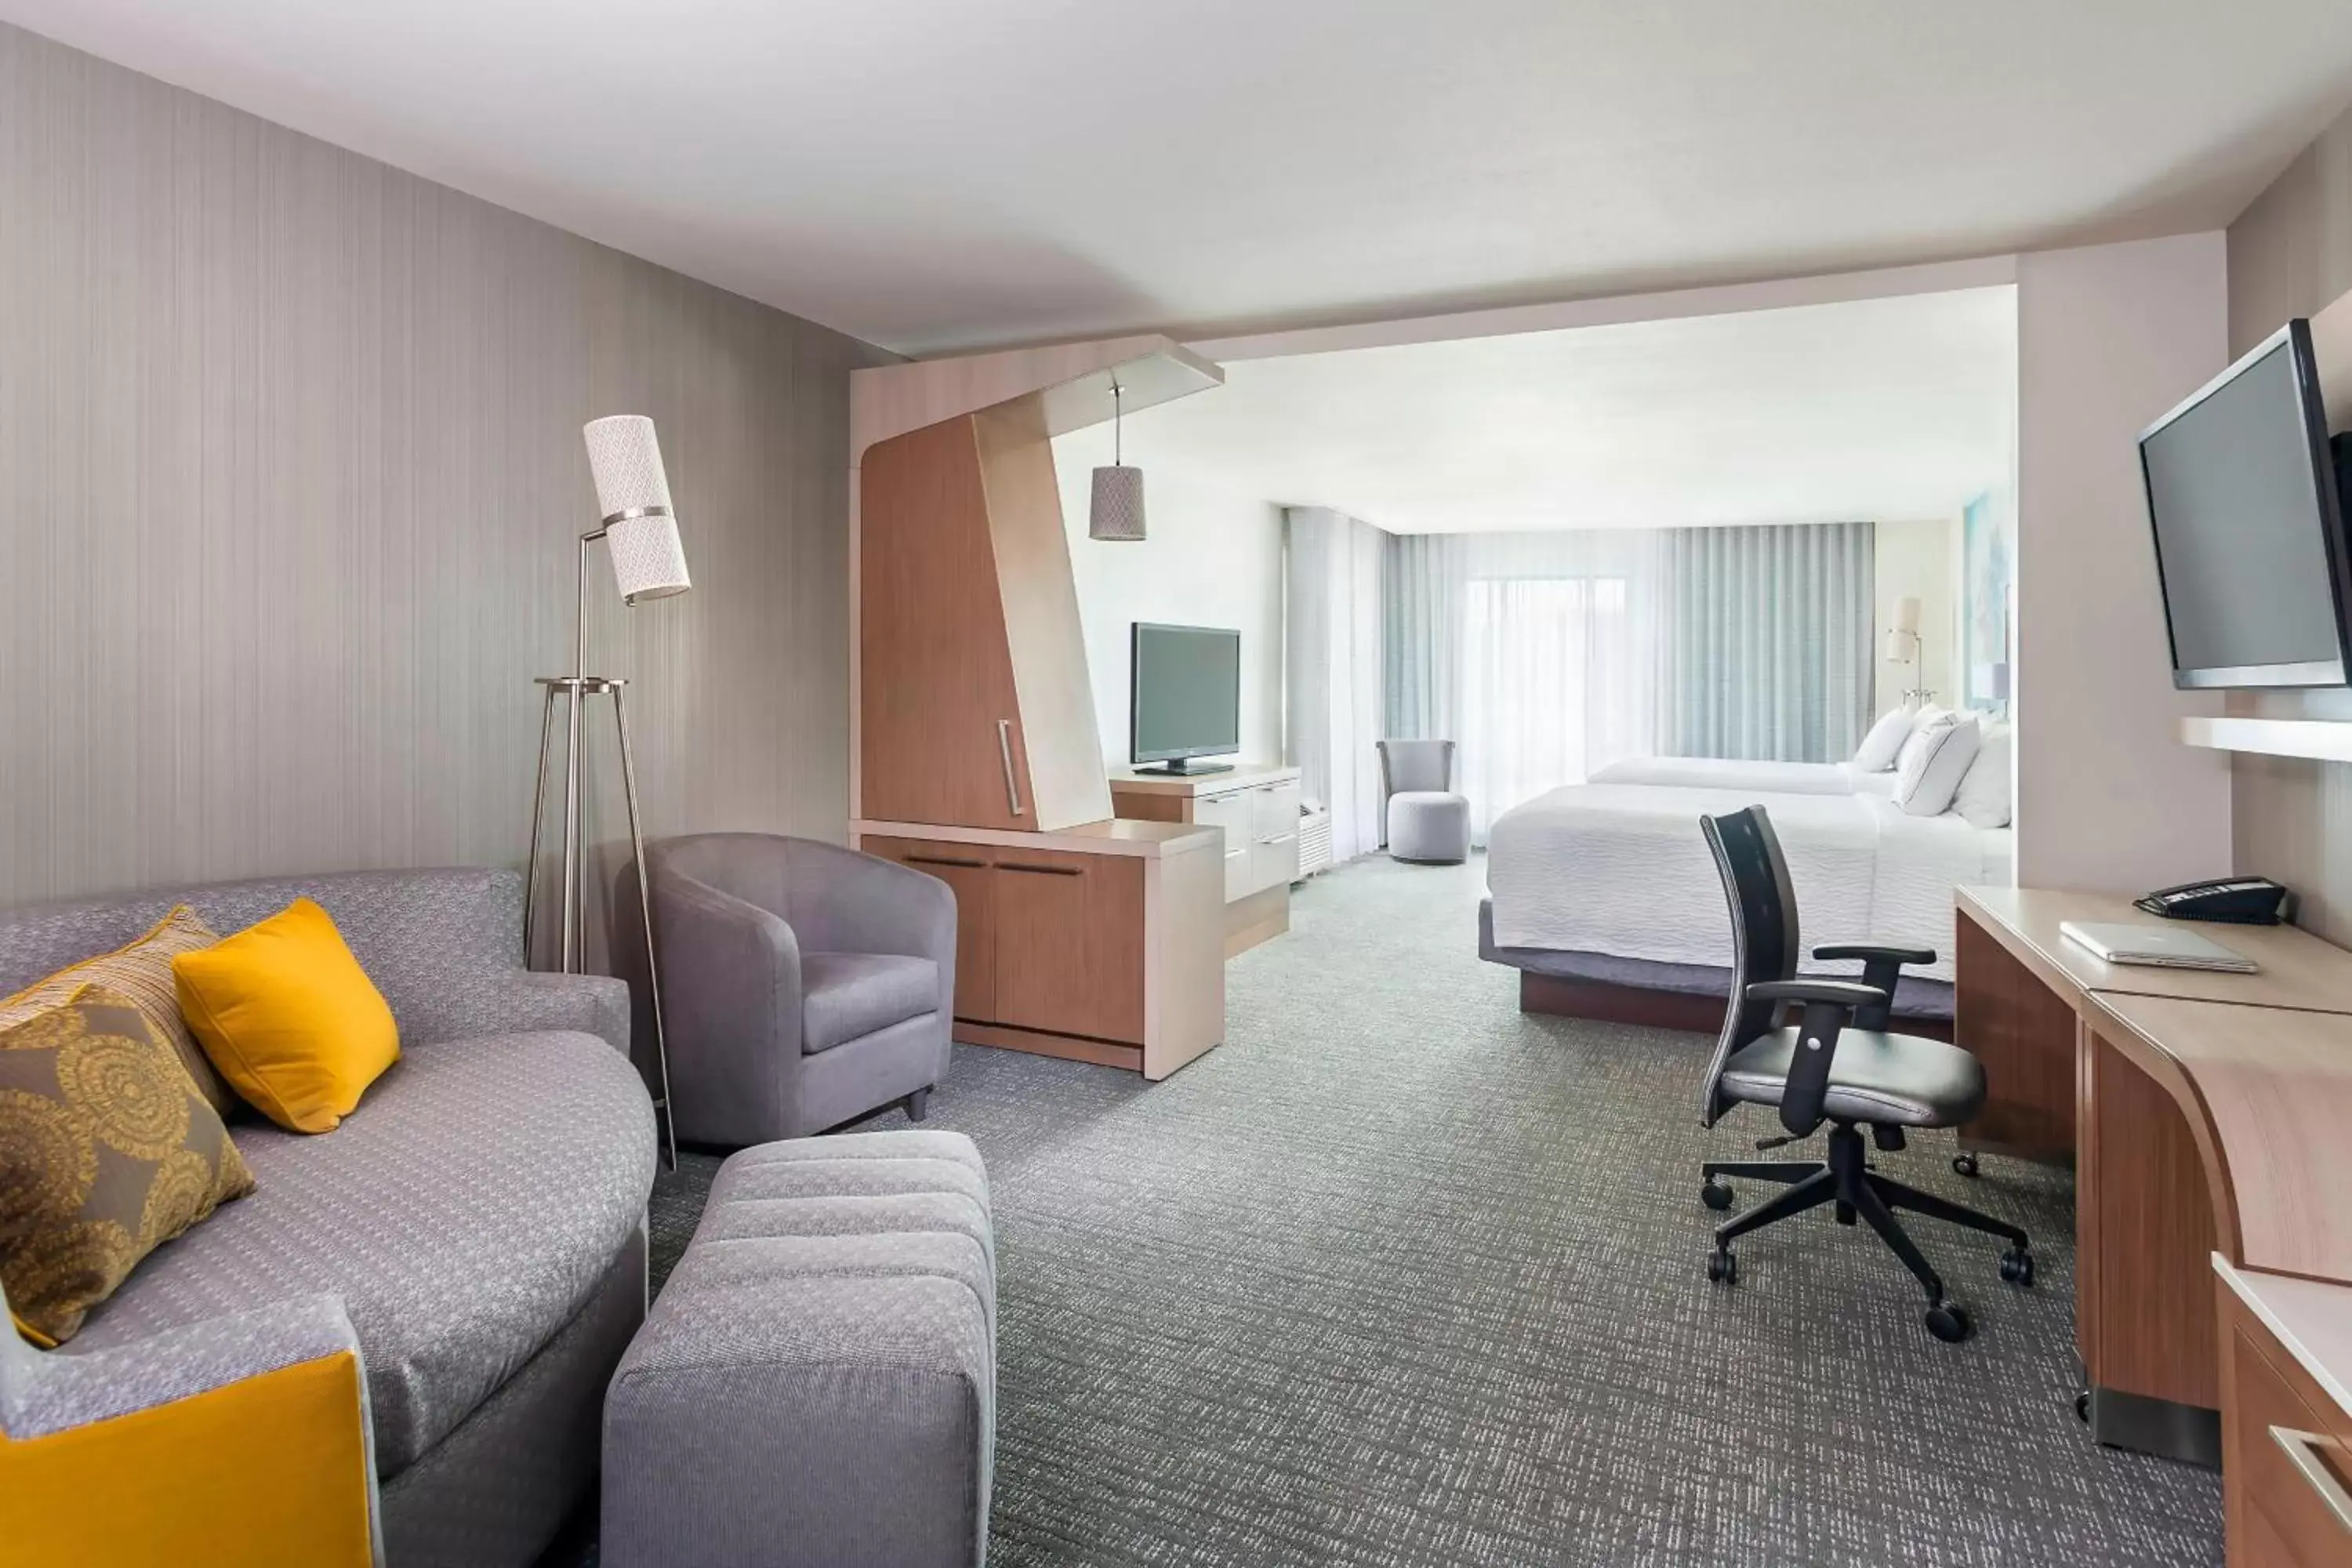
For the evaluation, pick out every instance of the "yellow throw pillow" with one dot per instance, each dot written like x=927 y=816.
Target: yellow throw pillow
x=140 y=971
x=288 y=1017
x=107 y=1152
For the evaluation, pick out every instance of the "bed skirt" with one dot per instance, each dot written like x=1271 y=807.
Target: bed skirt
x=1667 y=996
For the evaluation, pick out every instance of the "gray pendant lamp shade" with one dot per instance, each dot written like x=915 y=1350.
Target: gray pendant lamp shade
x=1117 y=512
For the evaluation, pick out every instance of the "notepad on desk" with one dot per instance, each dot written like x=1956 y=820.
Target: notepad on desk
x=2159 y=947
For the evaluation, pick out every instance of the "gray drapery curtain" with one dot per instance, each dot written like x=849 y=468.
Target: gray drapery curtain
x=1764 y=647
x=1531 y=651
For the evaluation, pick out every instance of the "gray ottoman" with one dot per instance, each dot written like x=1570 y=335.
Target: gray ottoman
x=1429 y=826
x=817 y=1383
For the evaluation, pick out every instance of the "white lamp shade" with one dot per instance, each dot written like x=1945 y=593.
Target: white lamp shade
x=1117 y=512
x=627 y=461
x=633 y=498
x=1906 y=610
x=648 y=562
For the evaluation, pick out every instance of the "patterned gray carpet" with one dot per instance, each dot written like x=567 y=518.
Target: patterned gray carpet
x=1399 y=1276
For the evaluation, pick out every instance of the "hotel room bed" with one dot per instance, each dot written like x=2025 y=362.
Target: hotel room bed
x=1611 y=884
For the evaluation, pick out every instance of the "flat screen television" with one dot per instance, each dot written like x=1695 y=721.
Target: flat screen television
x=2244 y=493
x=1185 y=696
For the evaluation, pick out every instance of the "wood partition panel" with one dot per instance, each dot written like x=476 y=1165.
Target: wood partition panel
x=1044 y=636
x=2023 y=1033
x=936 y=668
x=2146 y=1226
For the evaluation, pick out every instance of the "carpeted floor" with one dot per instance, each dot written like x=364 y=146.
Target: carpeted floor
x=1399 y=1276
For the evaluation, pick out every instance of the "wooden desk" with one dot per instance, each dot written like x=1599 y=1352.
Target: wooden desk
x=2025 y=985
x=2286 y=1378
x=2206 y=1113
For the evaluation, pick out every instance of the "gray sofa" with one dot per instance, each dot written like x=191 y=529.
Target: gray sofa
x=476 y=1228
x=803 y=985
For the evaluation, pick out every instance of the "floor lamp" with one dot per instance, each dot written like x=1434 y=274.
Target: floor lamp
x=640 y=533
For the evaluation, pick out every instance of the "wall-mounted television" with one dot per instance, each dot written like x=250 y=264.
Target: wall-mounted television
x=2245 y=494
x=1185 y=696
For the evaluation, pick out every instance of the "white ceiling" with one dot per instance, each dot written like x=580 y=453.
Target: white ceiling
x=936 y=173
x=1879 y=409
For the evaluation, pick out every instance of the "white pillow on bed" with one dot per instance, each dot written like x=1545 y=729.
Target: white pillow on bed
x=1884 y=743
x=1934 y=762
x=1984 y=797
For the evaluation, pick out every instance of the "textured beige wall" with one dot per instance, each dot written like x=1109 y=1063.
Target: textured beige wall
x=289 y=447
x=2291 y=255
x=2108 y=800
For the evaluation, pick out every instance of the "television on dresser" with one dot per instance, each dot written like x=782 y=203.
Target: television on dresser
x=2246 y=496
x=1184 y=697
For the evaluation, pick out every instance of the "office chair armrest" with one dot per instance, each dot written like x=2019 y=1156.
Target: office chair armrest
x=1881 y=967
x=1847 y=994
x=1828 y=1005
x=1866 y=952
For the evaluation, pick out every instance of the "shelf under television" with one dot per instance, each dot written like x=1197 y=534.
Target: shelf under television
x=2326 y=739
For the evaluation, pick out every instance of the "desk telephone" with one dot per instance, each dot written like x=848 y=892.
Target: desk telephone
x=2239 y=900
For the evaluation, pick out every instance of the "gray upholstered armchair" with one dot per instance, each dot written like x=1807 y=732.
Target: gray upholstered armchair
x=803 y=984
x=1425 y=819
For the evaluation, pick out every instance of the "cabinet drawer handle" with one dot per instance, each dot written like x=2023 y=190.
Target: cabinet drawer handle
x=2302 y=1452
x=1040 y=870
x=946 y=860
x=1279 y=838
x=1004 y=750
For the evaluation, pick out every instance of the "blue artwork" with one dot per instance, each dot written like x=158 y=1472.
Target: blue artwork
x=1984 y=606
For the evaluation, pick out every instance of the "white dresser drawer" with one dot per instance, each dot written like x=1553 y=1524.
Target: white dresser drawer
x=1231 y=813
x=1274 y=811
x=1272 y=863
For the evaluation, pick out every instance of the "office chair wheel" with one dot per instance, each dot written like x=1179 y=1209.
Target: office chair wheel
x=1722 y=1268
x=1949 y=1323
x=2017 y=1267
x=1716 y=1194
x=1963 y=1165
x=2083 y=1407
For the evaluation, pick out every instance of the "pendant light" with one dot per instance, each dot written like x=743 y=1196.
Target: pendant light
x=1118 y=510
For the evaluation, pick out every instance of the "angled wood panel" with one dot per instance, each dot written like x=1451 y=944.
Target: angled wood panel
x=936 y=668
x=1061 y=747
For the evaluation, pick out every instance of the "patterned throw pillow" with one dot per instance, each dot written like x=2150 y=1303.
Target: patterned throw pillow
x=140 y=971
x=106 y=1152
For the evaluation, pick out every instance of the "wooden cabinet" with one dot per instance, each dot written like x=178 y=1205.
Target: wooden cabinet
x=1103 y=944
x=2286 y=1465
x=966 y=870
x=974 y=708
x=1070 y=943
x=1257 y=808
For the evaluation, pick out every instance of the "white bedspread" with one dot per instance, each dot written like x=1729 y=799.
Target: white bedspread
x=1727 y=773
x=1621 y=868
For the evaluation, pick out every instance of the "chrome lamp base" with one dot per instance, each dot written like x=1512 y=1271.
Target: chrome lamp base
x=577 y=690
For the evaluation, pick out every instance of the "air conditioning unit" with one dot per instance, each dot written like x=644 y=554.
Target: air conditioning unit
x=1314 y=840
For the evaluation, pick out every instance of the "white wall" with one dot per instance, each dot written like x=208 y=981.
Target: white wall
x=1915 y=560
x=1212 y=557
x=2109 y=337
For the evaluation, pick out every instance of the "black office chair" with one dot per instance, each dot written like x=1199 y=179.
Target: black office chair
x=1838 y=1063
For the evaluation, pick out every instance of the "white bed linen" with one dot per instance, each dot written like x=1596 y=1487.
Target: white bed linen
x=1621 y=868
x=1728 y=773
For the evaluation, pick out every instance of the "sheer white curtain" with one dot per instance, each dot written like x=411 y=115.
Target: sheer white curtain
x=1332 y=669
x=1535 y=652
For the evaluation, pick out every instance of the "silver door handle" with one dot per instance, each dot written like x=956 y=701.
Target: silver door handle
x=1004 y=750
x=2302 y=1451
